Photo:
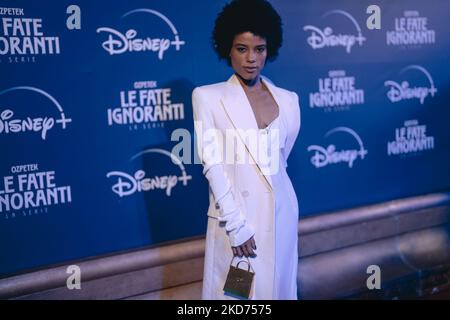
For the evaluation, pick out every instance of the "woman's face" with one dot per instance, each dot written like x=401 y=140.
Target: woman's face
x=248 y=55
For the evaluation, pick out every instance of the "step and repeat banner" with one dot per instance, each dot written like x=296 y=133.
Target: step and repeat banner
x=95 y=95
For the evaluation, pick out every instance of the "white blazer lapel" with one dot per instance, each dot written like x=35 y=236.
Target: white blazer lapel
x=239 y=110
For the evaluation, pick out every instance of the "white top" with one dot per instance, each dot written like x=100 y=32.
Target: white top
x=272 y=140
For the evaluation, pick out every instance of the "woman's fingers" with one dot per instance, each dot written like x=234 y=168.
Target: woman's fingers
x=250 y=250
x=244 y=249
x=253 y=243
x=239 y=251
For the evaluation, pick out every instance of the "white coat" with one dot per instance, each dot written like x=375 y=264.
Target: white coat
x=249 y=209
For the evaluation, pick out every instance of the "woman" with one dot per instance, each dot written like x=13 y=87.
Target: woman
x=245 y=130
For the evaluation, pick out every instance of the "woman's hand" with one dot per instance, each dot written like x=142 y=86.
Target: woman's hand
x=245 y=249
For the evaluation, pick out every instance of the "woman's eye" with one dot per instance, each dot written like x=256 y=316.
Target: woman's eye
x=261 y=49
x=241 y=49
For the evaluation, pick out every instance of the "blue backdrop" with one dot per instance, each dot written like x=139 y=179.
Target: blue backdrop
x=90 y=96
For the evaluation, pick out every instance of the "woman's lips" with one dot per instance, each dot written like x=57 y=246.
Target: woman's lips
x=250 y=69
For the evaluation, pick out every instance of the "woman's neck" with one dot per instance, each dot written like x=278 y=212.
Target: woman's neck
x=250 y=85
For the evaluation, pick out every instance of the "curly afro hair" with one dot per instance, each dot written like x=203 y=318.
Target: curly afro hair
x=255 y=16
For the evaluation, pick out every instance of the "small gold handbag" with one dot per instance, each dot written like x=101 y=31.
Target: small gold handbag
x=239 y=281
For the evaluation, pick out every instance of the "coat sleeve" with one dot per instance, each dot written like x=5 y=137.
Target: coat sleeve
x=210 y=153
x=295 y=129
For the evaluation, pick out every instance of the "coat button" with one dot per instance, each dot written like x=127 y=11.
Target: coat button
x=217 y=206
x=245 y=193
